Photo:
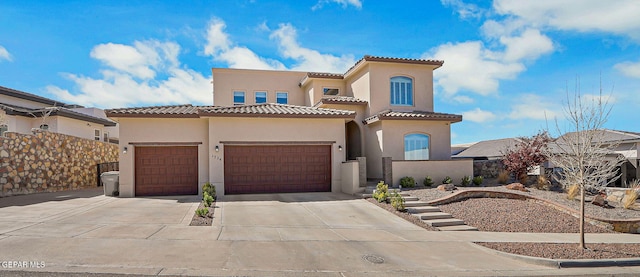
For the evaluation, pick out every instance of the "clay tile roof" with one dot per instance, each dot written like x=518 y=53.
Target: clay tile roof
x=340 y=100
x=275 y=110
x=156 y=111
x=413 y=115
x=324 y=75
x=437 y=63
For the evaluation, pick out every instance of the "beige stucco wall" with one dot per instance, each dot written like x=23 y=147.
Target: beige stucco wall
x=314 y=89
x=160 y=130
x=238 y=129
x=350 y=178
x=437 y=170
x=227 y=80
x=358 y=84
x=74 y=127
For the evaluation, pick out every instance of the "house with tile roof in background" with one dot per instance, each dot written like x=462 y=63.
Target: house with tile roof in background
x=24 y=111
x=285 y=131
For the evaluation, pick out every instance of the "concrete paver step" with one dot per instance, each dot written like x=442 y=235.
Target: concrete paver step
x=458 y=228
x=444 y=222
x=415 y=204
x=410 y=198
x=433 y=215
x=423 y=209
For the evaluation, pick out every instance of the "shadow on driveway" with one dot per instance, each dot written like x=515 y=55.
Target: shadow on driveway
x=36 y=198
x=288 y=197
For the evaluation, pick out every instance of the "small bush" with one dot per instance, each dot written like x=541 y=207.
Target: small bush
x=542 y=183
x=407 y=182
x=465 y=181
x=477 y=181
x=209 y=189
x=573 y=191
x=447 y=180
x=524 y=179
x=207 y=199
x=631 y=195
x=202 y=212
x=427 y=182
x=397 y=201
x=381 y=193
x=503 y=177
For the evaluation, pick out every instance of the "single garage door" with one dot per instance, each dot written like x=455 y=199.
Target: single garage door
x=170 y=170
x=277 y=168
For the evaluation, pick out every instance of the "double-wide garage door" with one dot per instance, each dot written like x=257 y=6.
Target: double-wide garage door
x=166 y=170
x=277 y=168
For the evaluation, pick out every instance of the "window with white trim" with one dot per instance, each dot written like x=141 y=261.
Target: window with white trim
x=96 y=134
x=330 y=91
x=261 y=97
x=238 y=98
x=416 y=147
x=401 y=91
x=105 y=136
x=3 y=128
x=282 y=98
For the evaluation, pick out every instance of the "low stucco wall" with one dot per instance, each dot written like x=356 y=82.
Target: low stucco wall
x=48 y=162
x=437 y=170
x=350 y=178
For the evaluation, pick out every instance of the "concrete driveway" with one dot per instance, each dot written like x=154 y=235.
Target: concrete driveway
x=323 y=234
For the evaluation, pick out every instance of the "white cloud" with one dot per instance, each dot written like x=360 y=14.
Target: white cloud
x=129 y=78
x=464 y=10
x=629 y=69
x=529 y=45
x=4 y=54
x=595 y=98
x=462 y=99
x=619 y=17
x=478 y=115
x=344 y=3
x=532 y=106
x=308 y=59
x=471 y=66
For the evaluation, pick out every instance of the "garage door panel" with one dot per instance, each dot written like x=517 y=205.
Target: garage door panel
x=277 y=168
x=171 y=170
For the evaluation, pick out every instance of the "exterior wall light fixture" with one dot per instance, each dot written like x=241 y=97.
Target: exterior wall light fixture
x=339 y=147
x=124 y=151
x=217 y=148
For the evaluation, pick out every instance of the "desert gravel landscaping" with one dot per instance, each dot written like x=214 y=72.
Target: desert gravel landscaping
x=567 y=250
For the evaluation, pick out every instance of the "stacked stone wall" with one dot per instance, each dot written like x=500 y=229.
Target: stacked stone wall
x=48 y=162
x=489 y=169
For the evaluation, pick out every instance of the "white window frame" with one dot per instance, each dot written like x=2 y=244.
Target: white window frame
x=401 y=91
x=286 y=97
x=3 y=129
x=255 y=96
x=418 y=150
x=327 y=89
x=244 y=98
x=105 y=136
x=97 y=134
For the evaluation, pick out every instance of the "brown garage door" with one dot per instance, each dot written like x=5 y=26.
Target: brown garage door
x=277 y=168
x=170 y=170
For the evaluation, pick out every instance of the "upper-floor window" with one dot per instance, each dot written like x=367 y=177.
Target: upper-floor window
x=3 y=128
x=416 y=147
x=105 y=136
x=96 y=134
x=282 y=98
x=261 y=97
x=401 y=91
x=238 y=98
x=330 y=91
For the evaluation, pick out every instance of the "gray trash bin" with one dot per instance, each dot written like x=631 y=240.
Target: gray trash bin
x=110 y=183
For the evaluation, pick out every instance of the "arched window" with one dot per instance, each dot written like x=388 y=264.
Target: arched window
x=416 y=147
x=401 y=91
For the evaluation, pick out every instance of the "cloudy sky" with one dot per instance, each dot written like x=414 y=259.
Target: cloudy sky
x=508 y=64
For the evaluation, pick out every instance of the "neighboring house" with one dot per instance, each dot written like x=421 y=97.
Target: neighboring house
x=487 y=149
x=287 y=131
x=24 y=111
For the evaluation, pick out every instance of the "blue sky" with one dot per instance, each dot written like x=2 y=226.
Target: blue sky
x=508 y=64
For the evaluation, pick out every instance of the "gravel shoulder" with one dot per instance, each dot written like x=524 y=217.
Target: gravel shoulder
x=567 y=250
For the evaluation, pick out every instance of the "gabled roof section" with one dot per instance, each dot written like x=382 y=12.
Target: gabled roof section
x=275 y=110
x=348 y=100
x=54 y=111
x=34 y=98
x=488 y=149
x=412 y=115
x=607 y=136
x=176 y=111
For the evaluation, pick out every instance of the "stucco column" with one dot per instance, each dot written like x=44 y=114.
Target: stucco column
x=623 y=173
x=387 y=171
x=362 y=169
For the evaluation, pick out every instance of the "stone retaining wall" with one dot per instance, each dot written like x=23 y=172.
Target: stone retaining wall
x=48 y=162
x=618 y=225
x=488 y=169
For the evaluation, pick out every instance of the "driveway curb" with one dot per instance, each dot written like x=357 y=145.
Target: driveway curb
x=564 y=263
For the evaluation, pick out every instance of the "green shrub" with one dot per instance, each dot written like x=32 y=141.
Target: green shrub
x=202 y=212
x=209 y=189
x=207 y=199
x=407 y=182
x=447 y=180
x=477 y=181
x=466 y=181
x=397 y=201
x=381 y=193
x=427 y=182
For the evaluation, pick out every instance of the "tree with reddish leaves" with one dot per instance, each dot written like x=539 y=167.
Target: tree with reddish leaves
x=527 y=153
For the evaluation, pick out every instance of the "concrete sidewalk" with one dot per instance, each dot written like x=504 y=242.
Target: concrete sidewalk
x=319 y=234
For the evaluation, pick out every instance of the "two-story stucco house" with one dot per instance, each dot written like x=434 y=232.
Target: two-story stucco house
x=286 y=131
x=21 y=112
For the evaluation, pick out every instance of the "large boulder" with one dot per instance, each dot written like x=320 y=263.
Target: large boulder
x=599 y=200
x=517 y=186
x=447 y=187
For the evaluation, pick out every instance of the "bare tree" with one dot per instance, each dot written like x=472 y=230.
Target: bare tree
x=584 y=153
